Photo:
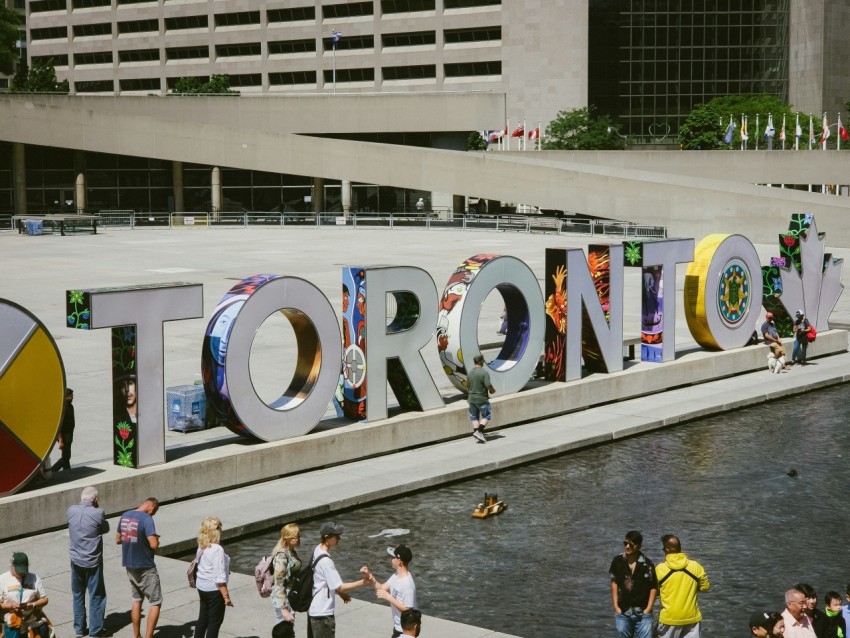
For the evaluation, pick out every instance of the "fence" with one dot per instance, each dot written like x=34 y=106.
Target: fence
x=427 y=219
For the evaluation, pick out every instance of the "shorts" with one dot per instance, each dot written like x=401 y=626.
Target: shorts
x=321 y=626
x=144 y=583
x=479 y=412
x=678 y=631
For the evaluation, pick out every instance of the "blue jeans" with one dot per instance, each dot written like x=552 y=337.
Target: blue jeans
x=633 y=623
x=799 y=348
x=90 y=578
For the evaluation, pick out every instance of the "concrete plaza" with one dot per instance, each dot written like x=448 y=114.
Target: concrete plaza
x=40 y=269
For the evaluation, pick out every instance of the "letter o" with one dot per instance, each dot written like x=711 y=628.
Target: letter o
x=723 y=287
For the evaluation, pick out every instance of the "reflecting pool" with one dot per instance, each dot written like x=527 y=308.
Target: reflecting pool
x=540 y=569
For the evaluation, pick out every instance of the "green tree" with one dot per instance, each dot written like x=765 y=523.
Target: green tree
x=476 y=142
x=217 y=85
x=581 y=129
x=10 y=24
x=706 y=126
x=39 y=78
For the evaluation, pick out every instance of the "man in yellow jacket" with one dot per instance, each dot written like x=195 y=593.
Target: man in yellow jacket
x=679 y=582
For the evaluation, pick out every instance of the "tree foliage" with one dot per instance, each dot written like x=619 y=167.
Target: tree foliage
x=581 y=130
x=476 y=142
x=705 y=127
x=39 y=78
x=217 y=85
x=10 y=24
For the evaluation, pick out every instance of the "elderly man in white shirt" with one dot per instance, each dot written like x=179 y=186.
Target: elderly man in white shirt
x=797 y=623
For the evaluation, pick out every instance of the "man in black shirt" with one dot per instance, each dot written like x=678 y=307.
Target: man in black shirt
x=66 y=433
x=633 y=589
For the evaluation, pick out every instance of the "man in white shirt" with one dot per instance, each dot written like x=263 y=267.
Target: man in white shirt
x=400 y=590
x=797 y=623
x=327 y=583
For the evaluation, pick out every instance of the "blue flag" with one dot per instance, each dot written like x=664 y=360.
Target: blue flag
x=730 y=131
x=336 y=37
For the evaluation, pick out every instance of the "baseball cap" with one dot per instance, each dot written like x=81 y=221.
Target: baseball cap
x=799 y=313
x=759 y=619
x=21 y=563
x=768 y=315
x=402 y=552
x=330 y=529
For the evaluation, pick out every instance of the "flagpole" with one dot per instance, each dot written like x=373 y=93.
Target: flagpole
x=811 y=132
x=784 y=134
x=508 y=132
x=539 y=136
x=838 y=136
x=333 y=44
x=797 y=133
x=524 y=145
x=757 y=131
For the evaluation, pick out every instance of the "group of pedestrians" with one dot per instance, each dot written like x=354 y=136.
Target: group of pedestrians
x=399 y=590
x=777 y=361
x=636 y=583
x=23 y=597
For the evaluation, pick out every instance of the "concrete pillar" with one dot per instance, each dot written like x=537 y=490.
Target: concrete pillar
x=177 y=181
x=19 y=169
x=494 y=206
x=458 y=204
x=318 y=195
x=81 y=192
x=346 y=197
x=215 y=190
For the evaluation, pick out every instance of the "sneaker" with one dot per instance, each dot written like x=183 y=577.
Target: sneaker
x=479 y=436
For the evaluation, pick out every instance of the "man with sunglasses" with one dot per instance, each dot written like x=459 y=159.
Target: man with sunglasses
x=633 y=589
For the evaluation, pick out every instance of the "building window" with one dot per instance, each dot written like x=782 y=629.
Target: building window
x=49 y=33
x=100 y=57
x=120 y=2
x=284 y=47
x=98 y=28
x=406 y=6
x=87 y=4
x=140 y=84
x=466 y=4
x=467 y=69
x=186 y=22
x=477 y=34
x=354 y=9
x=51 y=60
x=350 y=43
x=138 y=26
x=38 y=6
x=187 y=53
x=237 y=50
x=292 y=15
x=246 y=79
x=94 y=86
x=139 y=55
x=412 y=39
x=237 y=19
x=295 y=77
x=350 y=75
x=170 y=82
x=414 y=72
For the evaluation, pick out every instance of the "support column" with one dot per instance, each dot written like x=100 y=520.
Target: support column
x=458 y=204
x=215 y=191
x=177 y=181
x=318 y=195
x=494 y=207
x=81 y=192
x=346 y=197
x=19 y=168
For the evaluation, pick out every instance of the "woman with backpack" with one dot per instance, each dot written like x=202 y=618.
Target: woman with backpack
x=286 y=567
x=211 y=579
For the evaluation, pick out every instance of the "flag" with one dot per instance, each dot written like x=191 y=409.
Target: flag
x=769 y=131
x=534 y=134
x=518 y=132
x=825 y=133
x=798 y=131
x=730 y=131
x=744 y=135
x=495 y=135
x=336 y=37
x=811 y=131
x=782 y=130
x=843 y=132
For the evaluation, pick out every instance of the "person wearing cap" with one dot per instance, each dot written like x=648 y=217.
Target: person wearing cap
x=22 y=599
x=801 y=338
x=399 y=590
x=764 y=624
x=327 y=584
x=633 y=589
x=86 y=526
x=138 y=539
x=771 y=338
x=411 y=622
x=680 y=580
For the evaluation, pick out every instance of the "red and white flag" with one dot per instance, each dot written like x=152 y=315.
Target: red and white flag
x=518 y=132
x=495 y=135
x=535 y=134
x=843 y=132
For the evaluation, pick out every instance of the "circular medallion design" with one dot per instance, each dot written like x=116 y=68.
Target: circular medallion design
x=733 y=292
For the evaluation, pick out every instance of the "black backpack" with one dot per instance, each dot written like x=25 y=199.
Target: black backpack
x=300 y=595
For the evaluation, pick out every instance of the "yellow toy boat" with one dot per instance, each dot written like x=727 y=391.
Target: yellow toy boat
x=490 y=507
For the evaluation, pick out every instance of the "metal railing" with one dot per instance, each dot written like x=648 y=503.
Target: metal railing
x=431 y=219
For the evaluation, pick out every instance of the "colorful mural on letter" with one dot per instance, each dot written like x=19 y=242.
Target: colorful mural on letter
x=555 y=291
x=354 y=343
